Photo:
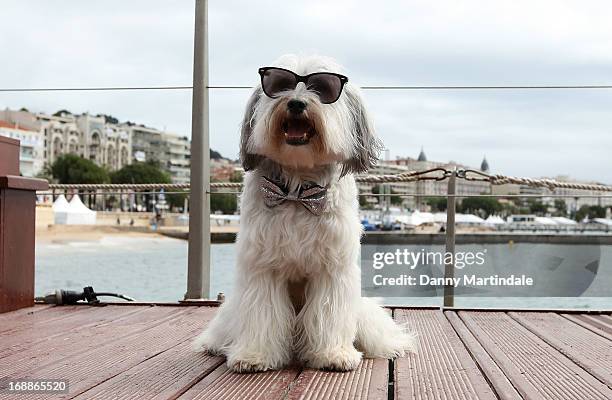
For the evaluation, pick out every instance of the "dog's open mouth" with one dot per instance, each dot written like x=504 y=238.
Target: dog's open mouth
x=298 y=131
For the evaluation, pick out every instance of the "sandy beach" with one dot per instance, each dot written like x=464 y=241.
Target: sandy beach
x=84 y=233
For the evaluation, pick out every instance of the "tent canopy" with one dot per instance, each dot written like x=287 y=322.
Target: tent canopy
x=73 y=212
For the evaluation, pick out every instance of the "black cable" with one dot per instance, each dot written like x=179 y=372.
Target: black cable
x=88 y=294
x=121 y=296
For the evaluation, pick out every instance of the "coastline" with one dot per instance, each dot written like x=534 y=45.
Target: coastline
x=88 y=233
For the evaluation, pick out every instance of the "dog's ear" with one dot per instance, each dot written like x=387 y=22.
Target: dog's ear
x=249 y=160
x=366 y=146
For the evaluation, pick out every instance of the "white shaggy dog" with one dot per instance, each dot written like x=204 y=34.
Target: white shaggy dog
x=298 y=275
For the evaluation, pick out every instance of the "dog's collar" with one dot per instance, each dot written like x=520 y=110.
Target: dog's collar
x=309 y=194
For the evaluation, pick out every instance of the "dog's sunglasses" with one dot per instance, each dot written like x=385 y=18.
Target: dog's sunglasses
x=327 y=85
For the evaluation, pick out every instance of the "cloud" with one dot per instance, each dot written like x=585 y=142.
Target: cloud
x=533 y=133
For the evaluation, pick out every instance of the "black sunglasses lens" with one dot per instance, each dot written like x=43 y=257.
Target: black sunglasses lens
x=327 y=86
x=275 y=81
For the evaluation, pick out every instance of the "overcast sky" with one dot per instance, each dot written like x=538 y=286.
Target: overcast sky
x=73 y=43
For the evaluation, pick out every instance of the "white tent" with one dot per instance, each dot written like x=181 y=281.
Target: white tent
x=419 y=218
x=564 y=221
x=469 y=219
x=495 y=220
x=60 y=210
x=544 y=221
x=73 y=213
x=60 y=204
x=416 y=218
x=464 y=219
x=603 y=221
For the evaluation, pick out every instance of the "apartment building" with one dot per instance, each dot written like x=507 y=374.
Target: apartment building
x=31 y=142
x=428 y=188
x=171 y=151
x=97 y=138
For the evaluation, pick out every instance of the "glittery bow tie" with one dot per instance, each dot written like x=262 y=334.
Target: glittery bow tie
x=311 y=196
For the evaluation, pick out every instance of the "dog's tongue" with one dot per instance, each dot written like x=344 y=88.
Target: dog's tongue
x=297 y=129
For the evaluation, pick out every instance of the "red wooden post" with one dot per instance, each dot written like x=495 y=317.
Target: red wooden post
x=17 y=221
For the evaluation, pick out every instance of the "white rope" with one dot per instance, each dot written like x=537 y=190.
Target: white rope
x=438 y=174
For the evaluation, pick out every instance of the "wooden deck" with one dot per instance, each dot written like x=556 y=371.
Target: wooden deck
x=143 y=352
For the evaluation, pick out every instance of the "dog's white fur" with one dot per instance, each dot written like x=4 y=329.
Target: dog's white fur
x=260 y=326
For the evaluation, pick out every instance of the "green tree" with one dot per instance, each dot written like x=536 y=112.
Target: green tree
x=141 y=172
x=561 y=207
x=62 y=113
x=237 y=177
x=109 y=119
x=537 y=207
x=224 y=202
x=480 y=205
x=436 y=203
x=177 y=200
x=45 y=173
x=511 y=207
x=363 y=202
x=395 y=199
x=215 y=155
x=71 y=168
x=590 y=212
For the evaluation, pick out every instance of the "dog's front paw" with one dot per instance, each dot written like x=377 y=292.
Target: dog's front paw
x=251 y=362
x=336 y=359
x=206 y=344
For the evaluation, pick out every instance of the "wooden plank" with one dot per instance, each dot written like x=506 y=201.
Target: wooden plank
x=520 y=353
x=13 y=342
x=502 y=386
x=591 y=323
x=227 y=385
x=165 y=376
x=27 y=321
x=72 y=343
x=369 y=381
x=94 y=366
x=443 y=368
x=606 y=318
x=7 y=317
x=587 y=349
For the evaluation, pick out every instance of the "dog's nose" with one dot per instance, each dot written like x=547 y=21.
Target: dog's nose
x=296 y=106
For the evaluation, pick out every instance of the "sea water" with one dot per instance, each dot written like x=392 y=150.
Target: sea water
x=155 y=269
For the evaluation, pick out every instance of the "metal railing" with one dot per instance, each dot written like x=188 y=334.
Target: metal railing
x=198 y=279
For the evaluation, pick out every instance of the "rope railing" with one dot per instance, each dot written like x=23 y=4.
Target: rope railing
x=549 y=184
x=436 y=174
x=118 y=186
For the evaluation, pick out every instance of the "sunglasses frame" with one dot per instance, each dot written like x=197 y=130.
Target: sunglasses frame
x=304 y=79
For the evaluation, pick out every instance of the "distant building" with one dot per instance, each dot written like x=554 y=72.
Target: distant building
x=104 y=142
x=84 y=135
x=171 y=151
x=146 y=143
x=177 y=158
x=222 y=169
x=484 y=165
x=573 y=198
x=423 y=189
x=422 y=156
x=31 y=147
